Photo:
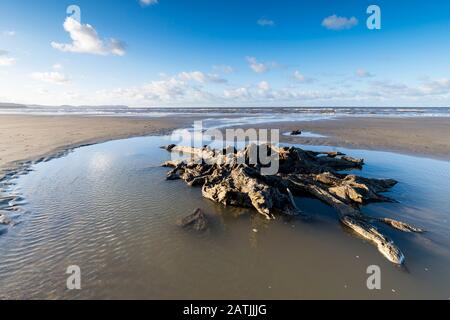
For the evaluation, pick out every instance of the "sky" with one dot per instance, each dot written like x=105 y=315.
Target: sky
x=224 y=53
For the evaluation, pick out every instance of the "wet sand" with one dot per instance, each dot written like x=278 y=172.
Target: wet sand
x=24 y=138
x=108 y=209
x=128 y=245
x=428 y=137
x=28 y=138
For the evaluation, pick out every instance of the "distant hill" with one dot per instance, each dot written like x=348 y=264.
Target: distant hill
x=12 y=106
x=21 y=106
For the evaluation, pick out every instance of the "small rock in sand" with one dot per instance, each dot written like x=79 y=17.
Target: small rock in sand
x=197 y=221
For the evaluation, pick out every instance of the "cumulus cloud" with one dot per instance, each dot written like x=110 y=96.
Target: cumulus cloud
x=193 y=87
x=263 y=92
x=298 y=76
x=264 y=86
x=9 y=33
x=389 y=89
x=223 y=69
x=436 y=87
x=51 y=77
x=85 y=39
x=237 y=93
x=148 y=2
x=197 y=87
x=6 y=60
x=257 y=66
x=335 y=22
x=201 y=77
x=263 y=22
x=362 y=73
x=185 y=87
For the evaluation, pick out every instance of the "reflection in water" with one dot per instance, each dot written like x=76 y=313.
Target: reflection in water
x=108 y=209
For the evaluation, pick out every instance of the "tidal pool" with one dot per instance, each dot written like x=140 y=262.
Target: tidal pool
x=108 y=209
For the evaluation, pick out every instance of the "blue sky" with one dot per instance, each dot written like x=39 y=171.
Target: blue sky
x=225 y=53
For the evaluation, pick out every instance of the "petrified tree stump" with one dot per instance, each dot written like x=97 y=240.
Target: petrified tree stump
x=228 y=181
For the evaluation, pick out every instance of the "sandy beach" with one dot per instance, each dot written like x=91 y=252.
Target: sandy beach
x=156 y=151
x=108 y=208
x=24 y=138
x=429 y=137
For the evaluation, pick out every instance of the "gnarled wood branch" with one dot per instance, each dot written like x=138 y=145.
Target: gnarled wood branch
x=229 y=178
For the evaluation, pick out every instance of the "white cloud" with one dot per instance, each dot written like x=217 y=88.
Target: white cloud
x=201 y=77
x=85 y=39
x=237 y=93
x=298 y=76
x=223 y=69
x=256 y=66
x=190 y=88
x=263 y=22
x=5 y=60
x=339 y=23
x=436 y=87
x=264 y=86
x=148 y=2
x=363 y=73
x=263 y=92
x=9 y=33
x=389 y=90
x=57 y=66
x=50 y=77
x=185 y=87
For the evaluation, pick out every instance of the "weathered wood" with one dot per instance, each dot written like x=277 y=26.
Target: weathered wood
x=229 y=178
x=352 y=218
x=368 y=231
x=399 y=225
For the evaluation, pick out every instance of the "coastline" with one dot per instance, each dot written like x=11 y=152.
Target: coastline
x=174 y=200
x=427 y=137
x=27 y=138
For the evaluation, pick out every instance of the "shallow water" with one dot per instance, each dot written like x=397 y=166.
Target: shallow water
x=108 y=209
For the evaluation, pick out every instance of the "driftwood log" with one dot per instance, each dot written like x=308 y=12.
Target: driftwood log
x=228 y=181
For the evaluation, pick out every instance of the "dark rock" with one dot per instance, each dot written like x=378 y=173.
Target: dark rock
x=296 y=133
x=169 y=147
x=196 y=221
